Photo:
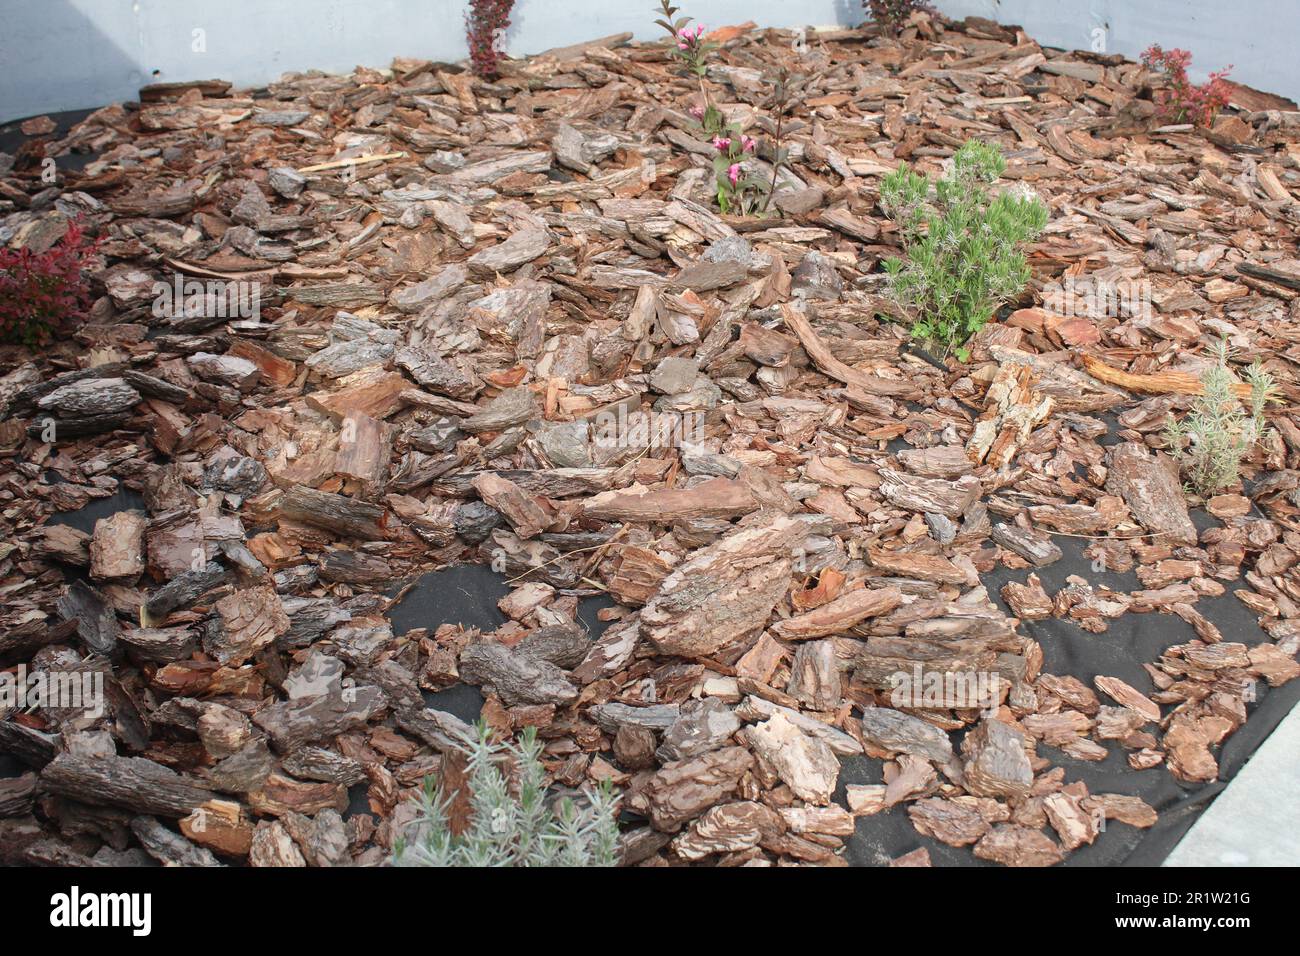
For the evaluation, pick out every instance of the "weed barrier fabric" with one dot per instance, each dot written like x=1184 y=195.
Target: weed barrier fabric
x=1130 y=641
x=467 y=595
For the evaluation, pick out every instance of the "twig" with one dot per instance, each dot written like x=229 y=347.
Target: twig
x=353 y=161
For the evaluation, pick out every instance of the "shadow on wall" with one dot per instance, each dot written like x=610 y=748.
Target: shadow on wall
x=55 y=58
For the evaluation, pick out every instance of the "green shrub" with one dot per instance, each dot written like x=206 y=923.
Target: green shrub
x=1211 y=440
x=511 y=829
x=962 y=242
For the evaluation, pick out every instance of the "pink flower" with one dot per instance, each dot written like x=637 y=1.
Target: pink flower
x=747 y=144
x=733 y=173
x=722 y=143
x=699 y=30
x=683 y=45
x=697 y=112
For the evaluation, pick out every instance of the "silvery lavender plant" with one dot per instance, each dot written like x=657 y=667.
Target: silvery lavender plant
x=519 y=828
x=1216 y=433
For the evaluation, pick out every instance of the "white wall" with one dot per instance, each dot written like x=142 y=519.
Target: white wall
x=1258 y=37
x=68 y=54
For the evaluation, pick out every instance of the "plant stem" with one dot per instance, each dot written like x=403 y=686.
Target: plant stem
x=776 y=161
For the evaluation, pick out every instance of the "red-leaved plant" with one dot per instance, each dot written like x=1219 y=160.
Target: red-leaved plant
x=892 y=15
x=1182 y=99
x=485 y=21
x=41 y=294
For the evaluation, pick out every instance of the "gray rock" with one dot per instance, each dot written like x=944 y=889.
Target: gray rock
x=475 y=520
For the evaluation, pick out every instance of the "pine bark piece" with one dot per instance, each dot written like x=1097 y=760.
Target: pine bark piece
x=62 y=542
x=1013 y=845
x=827 y=363
x=337 y=513
x=293 y=723
x=251 y=619
x=929 y=495
x=806 y=765
x=1160 y=383
x=815 y=676
x=524 y=246
x=564 y=645
x=701 y=726
x=90 y=397
x=434 y=373
x=725 y=591
x=1033 y=545
x=273 y=847
x=715 y=498
x=514 y=406
x=727 y=828
x=637 y=575
x=996 y=764
x=756 y=708
x=117 y=548
x=514 y=677
x=941 y=461
x=1028 y=601
x=1073 y=824
x=365 y=446
x=525 y=515
x=160 y=645
x=1187 y=747
x=181 y=592
x=220 y=825
x=167 y=847
x=1152 y=492
x=924 y=567
x=897 y=732
x=96 y=623
x=17 y=794
x=494 y=170
x=1127 y=696
x=132 y=783
x=634 y=748
x=840 y=614
x=683 y=789
x=371 y=391
x=1012 y=408
x=947 y=821
x=1123 y=807
x=229 y=370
